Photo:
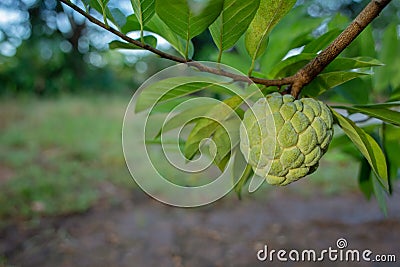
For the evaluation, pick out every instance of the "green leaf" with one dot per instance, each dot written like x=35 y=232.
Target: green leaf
x=321 y=42
x=395 y=95
x=150 y=40
x=343 y=143
x=384 y=129
x=244 y=178
x=86 y=3
x=143 y=10
x=158 y=141
x=115 y=15
x=226 y=138
x=282 y=38
x=391 y=148
x=390 y=55
x=380 y=194
x=94 y=4
x=185 y=116
x=343 y=63
x=188 y=18
x=103 y=5
x=326 y=81
x=104 y=2
x=367 y=145
x=172 y=88
x=222 y=164
x=365 y=44
x=234 y=20
x=357 y=91
x=291 y=65
x=206 y=127
x=269 y=13
x=364 y=178
x=338 y=21
x=185 y=48
x=132 y=24
x=391 y=104
x=168 y=106
x=156 y=25
x=384 y=114
x=238 y=57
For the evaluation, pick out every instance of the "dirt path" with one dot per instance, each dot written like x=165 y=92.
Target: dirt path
x=142 y=232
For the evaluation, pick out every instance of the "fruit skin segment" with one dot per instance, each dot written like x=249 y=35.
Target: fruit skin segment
x=283 y=139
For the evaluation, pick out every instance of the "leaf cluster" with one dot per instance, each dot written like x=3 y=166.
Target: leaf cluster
x=262 y=36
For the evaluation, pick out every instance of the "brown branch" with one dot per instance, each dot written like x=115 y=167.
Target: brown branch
x=305 y=75
x=242 y=78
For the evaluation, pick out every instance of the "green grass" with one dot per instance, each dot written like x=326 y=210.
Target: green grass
x=59 y=151
x=56 y=154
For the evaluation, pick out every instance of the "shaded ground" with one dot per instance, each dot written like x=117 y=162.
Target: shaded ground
x=138 y=231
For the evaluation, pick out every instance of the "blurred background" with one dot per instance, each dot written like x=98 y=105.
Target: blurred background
x=66 y=196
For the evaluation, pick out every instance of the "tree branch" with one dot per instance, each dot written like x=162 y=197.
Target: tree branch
x=303 y=77
x=121 y=35
x=199 y=66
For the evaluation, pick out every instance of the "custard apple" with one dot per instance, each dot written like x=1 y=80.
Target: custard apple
x=283 y=139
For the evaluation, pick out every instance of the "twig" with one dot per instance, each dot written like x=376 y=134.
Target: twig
x=123 y=36
x=242 y=78
x=305 y=75
x=296 y=82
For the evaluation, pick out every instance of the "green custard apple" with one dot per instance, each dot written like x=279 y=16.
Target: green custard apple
x=283 y=139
